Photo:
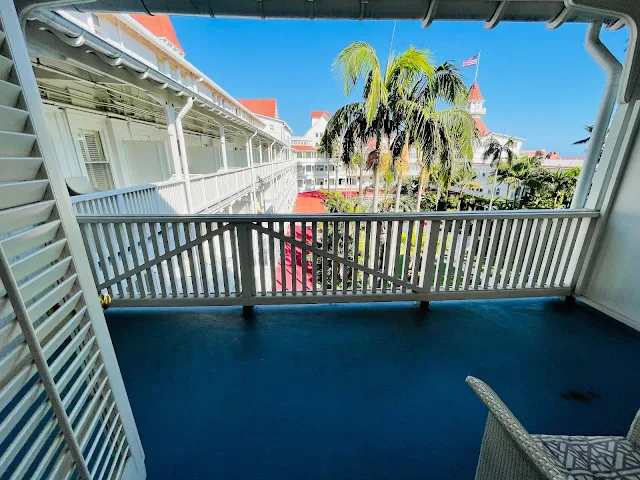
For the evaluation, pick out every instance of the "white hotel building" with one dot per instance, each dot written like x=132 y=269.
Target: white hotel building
x=315 y=171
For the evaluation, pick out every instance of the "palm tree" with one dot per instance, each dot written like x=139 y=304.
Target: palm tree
x=495 y=152
x=376 y=116
x=464 y=178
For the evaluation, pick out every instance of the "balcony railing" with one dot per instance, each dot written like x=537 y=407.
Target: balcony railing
x=209 y=192
x=250 y=260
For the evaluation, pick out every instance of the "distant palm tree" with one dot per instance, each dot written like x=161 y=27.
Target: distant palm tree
x=588 y=128
x=524 y=173
x=495 y=152
x=464 y=178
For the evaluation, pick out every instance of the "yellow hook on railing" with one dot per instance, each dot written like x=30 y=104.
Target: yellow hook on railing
x=105 y=301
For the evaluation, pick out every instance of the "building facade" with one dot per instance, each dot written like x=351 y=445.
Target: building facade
x=127 y=111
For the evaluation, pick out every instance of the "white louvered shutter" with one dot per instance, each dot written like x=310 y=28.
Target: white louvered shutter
x=64 y=412
x=98 y=168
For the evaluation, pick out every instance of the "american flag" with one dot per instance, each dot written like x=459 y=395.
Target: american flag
x=471 y=61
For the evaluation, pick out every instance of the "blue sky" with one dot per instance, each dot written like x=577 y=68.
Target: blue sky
x=538 y=85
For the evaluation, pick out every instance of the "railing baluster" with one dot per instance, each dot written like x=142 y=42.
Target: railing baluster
x=407 y=255
x=549 y=251
x=314 y=259
x=213 y=261
x=224 y=258
x=303 y=257
x=460 y=261
x=396 y=254
x=235 y=261
x=261 y=267
x=577 y=222
x=493 y=281
x=272 y=259
x=471 y=254
x=124 y=258
x=481 y=252
x=345 y=255
x=450 y=267
x=335 y=265
x=200 y=230
x=427 y=269
x=541 y=229
x=367 y=255
x=192 y=255
x=148 y=239
x=293 y=253
x=376 y=254
x=325 y=262
x=356 y=256
x=171 y=262
x=523 y=243
x=494 y=239
x=136 y=260
x=115 y=258
x=441 y=252
x=559 y=250
x=283 y=266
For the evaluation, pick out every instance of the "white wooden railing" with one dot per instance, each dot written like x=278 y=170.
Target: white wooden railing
x=208 y=192
x=248 y=260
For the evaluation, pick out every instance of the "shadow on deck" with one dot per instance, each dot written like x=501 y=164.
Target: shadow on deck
x=364 y=391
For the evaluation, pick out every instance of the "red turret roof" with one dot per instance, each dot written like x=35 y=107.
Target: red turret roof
x=319 y=114
x=160 y=26
x=474 y=92
x=482 y=128
x=267 y=107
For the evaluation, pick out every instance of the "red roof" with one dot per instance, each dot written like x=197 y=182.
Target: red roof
x=482 y=128
x=267 y=107
x=304 y=148
x=318 y=114
x=474 y=92
x=160 y=26
x=310 y=202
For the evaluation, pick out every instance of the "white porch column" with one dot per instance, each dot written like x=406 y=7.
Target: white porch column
x=223 y=145
x=260 y=150
x=183 y=154
x=170 y=115
x=253 y=176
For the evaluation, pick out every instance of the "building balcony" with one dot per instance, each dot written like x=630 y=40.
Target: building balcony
x=210 y=192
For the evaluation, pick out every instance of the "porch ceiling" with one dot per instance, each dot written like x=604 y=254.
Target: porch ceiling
x=428 y=10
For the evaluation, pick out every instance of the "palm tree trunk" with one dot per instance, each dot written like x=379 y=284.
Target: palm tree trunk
x=493 y=191
x=360 y=182
x=376 y=188
x=398 y=193
x=438 y=194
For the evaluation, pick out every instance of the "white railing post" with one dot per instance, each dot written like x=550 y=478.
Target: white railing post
x=245 y=249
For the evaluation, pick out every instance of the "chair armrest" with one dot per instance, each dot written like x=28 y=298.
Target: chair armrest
x=634 y=432
x=544 y=463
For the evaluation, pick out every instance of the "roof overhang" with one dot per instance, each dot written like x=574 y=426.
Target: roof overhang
x=614 y=13
x=426 y=11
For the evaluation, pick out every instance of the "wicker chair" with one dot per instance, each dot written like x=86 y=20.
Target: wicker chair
x=509 y=452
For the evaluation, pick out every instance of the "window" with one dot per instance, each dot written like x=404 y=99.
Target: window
x=98 y=167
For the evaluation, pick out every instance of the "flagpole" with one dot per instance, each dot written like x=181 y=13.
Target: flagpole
x=477 y=66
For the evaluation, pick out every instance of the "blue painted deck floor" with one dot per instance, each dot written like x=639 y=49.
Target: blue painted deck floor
x=367 y=391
